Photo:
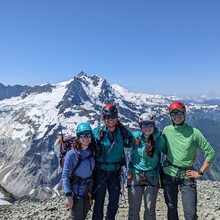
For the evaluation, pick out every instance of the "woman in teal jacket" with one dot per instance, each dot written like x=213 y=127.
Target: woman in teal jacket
x=182 y=143
x=143 y=177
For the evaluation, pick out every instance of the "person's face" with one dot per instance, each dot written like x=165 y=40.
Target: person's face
x=85 y=139
x=110 y=121
x=147 y=128
x=177 y=117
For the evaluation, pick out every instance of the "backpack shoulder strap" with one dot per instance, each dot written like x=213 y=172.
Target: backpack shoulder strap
x=123 y=129
x=125 y=133
x=80 y=159
x=101 y=132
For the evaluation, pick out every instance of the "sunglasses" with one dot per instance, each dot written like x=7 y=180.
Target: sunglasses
x=85 y=135
x=176 y=113
x=147 y=125
x=110 y=117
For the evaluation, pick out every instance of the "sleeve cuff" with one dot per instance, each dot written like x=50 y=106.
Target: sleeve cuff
x=69 y=194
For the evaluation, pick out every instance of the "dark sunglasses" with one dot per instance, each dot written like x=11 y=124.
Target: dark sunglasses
x=145 y=125
x=176 y=113
x=110 y=117
x=85 y=135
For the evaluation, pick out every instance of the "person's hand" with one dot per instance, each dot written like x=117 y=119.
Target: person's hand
x=69 y=201
x=192 y=174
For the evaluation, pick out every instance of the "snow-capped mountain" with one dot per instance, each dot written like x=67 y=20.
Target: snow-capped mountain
x=31 y=117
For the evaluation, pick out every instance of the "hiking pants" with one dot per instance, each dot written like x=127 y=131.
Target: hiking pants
x=135 y=194
x=80 y=208
x=188 y=191
x=103 y=181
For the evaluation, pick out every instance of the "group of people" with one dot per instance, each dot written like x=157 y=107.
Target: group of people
x=96 y=163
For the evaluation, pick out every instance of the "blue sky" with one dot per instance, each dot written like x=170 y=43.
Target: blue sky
x=168 y=47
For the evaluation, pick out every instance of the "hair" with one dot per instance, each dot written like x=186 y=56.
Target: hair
x=150 y=146
x=78 y=145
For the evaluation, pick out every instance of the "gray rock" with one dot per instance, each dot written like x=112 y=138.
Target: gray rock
x=56 y=209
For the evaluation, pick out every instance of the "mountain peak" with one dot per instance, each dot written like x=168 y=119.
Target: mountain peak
x=81 y=74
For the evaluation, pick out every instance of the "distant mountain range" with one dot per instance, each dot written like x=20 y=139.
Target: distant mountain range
x=30 y=119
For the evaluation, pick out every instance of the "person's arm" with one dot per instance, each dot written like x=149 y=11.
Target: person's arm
x=205 y=167
x=162 y=145
x=210 y=156
x=69 y=164
x=196 y=174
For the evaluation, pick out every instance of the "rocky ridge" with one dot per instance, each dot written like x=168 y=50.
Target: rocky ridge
x=54 y=209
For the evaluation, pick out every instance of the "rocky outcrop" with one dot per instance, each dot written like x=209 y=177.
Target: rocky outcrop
x=208 y=206
x=7 y=196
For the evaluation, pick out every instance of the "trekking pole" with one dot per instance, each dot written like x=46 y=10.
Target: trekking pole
x=61 y=133
x=62 y=145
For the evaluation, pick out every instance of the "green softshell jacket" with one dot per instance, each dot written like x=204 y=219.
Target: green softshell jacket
x=182 y=143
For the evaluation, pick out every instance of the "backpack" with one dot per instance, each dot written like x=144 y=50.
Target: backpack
x=66 y=144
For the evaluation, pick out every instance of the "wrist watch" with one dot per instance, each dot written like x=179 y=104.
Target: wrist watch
x=200 y=173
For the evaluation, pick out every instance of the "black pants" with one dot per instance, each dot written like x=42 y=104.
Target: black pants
x=103 y=181
x=80 y=208
x=188 y=191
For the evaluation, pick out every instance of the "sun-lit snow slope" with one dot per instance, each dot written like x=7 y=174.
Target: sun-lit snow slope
x=17 y=114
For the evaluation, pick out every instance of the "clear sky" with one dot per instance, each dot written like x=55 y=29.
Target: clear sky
x=167 y=47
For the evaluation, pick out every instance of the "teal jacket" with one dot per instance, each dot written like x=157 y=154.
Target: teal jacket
x=142 y=162
x=182 y=143
x=110 y=154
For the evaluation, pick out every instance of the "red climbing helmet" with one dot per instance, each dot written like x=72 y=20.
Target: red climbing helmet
x=177 y=105
x=109 y=110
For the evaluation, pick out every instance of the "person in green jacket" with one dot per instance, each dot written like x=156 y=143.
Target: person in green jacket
x=143 y=176
x=178 y=172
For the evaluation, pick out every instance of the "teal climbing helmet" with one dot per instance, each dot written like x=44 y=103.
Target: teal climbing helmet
x=83 y=127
